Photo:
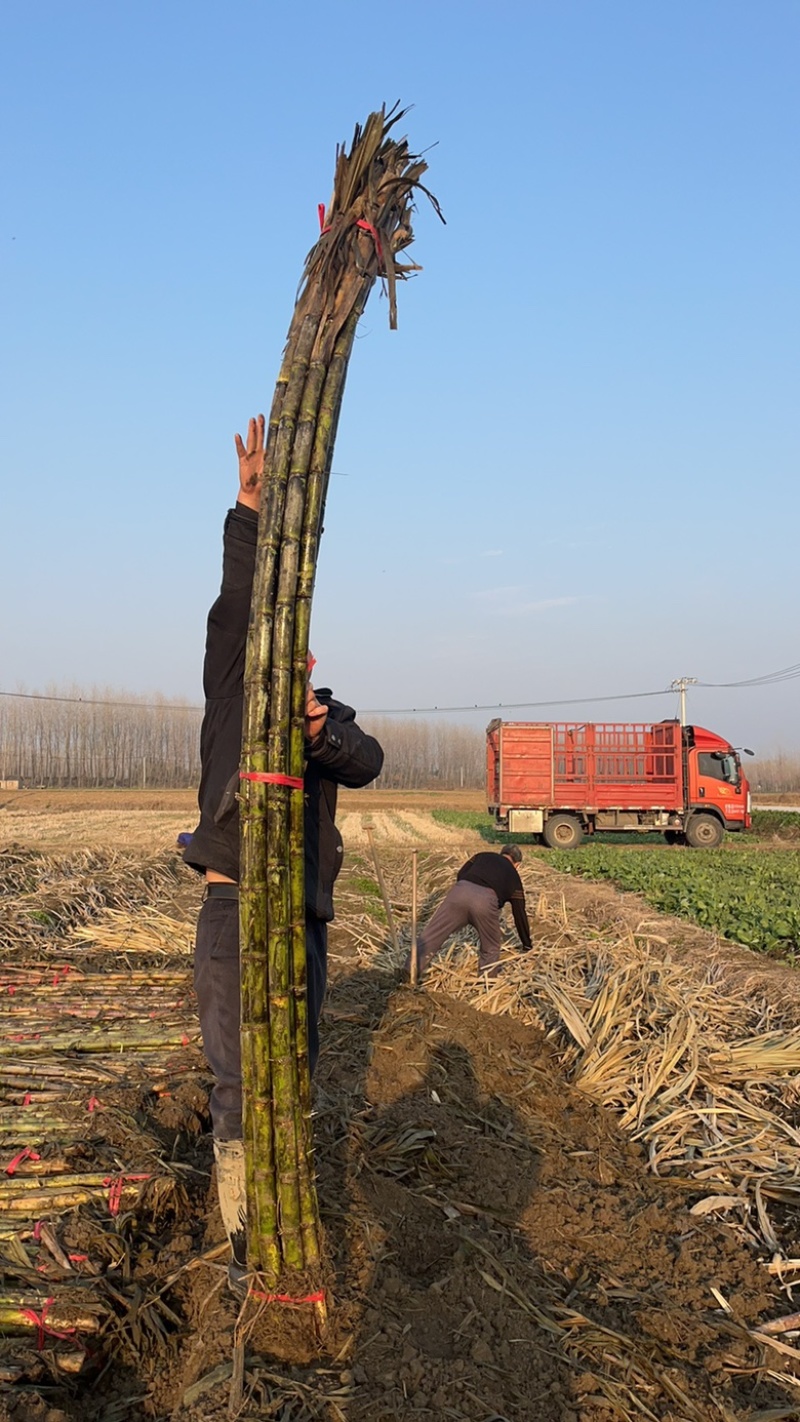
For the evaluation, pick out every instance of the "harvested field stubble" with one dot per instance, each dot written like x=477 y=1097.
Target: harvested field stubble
x=499 y=1246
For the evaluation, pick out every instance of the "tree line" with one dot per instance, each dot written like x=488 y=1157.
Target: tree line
x=98 y=738
x=104 y=738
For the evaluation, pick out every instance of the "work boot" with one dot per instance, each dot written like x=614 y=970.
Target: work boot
x=229 y=1156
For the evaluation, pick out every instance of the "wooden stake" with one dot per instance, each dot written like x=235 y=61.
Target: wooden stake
x=384 y=895
x=414 y=960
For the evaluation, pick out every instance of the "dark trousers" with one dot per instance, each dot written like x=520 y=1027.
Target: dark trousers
x=464 y=904
x=216 y=983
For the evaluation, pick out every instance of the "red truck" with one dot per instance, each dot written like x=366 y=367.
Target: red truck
x=565 y=780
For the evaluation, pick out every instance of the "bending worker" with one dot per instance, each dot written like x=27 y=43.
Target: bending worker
x=337 y=753
x=483 y=886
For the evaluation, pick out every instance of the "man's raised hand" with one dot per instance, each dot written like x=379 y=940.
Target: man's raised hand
x=251 y=463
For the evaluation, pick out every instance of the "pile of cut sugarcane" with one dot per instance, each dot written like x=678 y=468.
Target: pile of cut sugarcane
x=78 y=1024
x=365 y=226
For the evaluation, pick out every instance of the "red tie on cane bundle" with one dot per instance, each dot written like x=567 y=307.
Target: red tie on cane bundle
x=265 y=777
x=27 y=1153
x=43 y=1330
x=361 y=222
x=318 y=1297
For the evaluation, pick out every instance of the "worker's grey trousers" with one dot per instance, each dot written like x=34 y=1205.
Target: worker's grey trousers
x=216 y=983
x=465 y=903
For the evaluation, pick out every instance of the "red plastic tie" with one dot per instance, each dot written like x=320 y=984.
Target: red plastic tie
x=115 y=1185
x=292 y=781
x=42 y=1330
x=184 y=1040
x=94 y=1104
x=11 y=989
x=362 y=223
x=27 y=1099
x=375 y=234
x=288 y=1298
x=27 y=1154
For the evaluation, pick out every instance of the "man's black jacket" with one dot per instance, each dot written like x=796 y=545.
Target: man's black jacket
x=342 y=754
x=496 y=872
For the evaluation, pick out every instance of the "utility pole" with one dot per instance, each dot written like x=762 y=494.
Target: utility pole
x=680 y=684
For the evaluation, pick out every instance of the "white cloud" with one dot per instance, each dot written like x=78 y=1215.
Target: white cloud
x=542 y=606
x=498 y=594
x=516 y=601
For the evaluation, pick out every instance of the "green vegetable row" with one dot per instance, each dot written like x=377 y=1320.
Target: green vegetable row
x=750 y=896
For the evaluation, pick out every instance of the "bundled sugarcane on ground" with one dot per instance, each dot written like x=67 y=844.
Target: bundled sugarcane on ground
x=365 y=226
x=96 y=1017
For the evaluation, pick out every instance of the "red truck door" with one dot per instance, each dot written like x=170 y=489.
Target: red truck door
x=720 y=784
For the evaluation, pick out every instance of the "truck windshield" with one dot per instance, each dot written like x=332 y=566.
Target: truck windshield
x=719 y=767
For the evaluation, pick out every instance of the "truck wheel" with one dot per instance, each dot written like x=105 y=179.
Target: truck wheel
x=563 y=832
x=704 y=832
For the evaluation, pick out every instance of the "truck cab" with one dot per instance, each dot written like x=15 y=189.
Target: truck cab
x=715 y=782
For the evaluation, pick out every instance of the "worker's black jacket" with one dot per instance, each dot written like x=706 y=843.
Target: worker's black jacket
x=342 y=754
x=495 y=871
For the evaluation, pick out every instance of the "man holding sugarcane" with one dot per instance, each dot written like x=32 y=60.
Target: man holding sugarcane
x=337 y=753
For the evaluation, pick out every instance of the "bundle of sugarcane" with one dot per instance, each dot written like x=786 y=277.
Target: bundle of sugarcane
x=365 y=225
x=72 y=1315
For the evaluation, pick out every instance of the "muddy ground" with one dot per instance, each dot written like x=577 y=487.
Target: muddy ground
x=498 y=1250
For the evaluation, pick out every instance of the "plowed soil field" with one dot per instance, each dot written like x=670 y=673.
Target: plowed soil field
x=499 y=1248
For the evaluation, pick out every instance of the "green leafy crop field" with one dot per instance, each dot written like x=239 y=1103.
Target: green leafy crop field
x=747 y=895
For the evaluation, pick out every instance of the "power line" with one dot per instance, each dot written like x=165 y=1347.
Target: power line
x=366 y=711
x=769 y=679
x=90 y=701
x=509 y=705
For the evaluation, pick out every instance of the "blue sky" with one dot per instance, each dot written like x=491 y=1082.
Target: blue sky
x=571 y=472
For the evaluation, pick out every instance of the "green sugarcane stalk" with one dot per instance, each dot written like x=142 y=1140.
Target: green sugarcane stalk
x=100 y=1041
x=366 y=225
x=318 y=476
x=293 y=1192
x=260 y=892
x=59 y=1133
x=30 y=1206
x=19 y=1184
x=289 y=1051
